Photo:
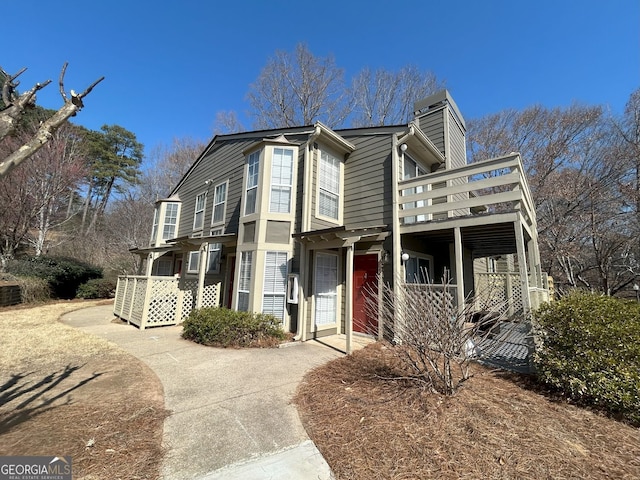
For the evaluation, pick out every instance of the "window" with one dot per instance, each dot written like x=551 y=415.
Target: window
x=213 y=262
x=326 y=289
x=275 y=284
x=244 y=282
x=281 y=180
x=154 y=232
x=418 y=270
x=253 y=174
x=198 y=216
x=194 y=262
x=164 y=267
x=170 y=221
x=412 y=170
x=329 y=186
x=219 y=202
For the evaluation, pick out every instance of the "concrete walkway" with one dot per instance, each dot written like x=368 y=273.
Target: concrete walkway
x=232 y=415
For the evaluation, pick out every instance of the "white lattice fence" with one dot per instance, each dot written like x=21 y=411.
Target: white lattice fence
x=163 y=303
x=189 y=289
x=155 y=301
x=498 y=292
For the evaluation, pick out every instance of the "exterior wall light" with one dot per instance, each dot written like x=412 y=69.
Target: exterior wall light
x=404 y=257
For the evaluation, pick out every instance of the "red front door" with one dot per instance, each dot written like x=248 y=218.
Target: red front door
x=365 y=285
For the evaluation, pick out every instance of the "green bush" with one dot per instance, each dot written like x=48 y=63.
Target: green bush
x=34 y=290
x=63 y=274
x=590 y=351
x=228 y=328
x=97 y=288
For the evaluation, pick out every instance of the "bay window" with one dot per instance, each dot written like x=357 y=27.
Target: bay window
x=275 y=284
x=281 y=180
x=253 y=175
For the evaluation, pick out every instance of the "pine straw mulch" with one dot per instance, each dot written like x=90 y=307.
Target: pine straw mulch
x=64 y=392
x=493 y=427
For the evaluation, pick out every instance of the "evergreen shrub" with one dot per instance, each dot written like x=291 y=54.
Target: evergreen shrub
x=97 y=288
x=589 y=350
x=64 y=275
x=222 y=327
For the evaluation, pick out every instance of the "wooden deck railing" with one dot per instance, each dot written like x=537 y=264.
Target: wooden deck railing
x=155 y=301
x=490 y=186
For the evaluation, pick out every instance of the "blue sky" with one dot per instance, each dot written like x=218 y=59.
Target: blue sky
x=171 y=65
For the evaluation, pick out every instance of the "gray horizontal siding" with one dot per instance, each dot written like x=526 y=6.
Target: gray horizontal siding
x=432 y=124
x=367 y=182
x=223 y=162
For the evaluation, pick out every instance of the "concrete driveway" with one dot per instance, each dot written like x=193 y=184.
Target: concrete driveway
x=232 y=415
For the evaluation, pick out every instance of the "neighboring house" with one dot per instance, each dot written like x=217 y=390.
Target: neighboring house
x=304 y=222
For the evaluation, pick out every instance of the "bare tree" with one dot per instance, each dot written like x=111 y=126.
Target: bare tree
x=34 y=196
x=386 y=98
x=227 y=122
x=14 y=106
x=168 y=164
x=298 y=88
x=577 y=172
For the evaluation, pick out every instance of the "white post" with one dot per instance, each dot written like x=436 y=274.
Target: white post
x=202 y=270
x=459 y=265
x=522 y=266
x=349 y=299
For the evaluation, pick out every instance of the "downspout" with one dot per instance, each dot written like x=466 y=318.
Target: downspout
x=397 y=244
x=305 y=225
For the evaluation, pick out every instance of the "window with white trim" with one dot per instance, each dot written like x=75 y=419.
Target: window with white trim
x=329 y=186
x=412 y=169
x=253 y=175
x=219 y=203
x=194 y=262
x=326 y=289
x=281 y=180
x=275 y=284
x=154 y=231
x=198 y=215
x=170 y=221
x=244 y=281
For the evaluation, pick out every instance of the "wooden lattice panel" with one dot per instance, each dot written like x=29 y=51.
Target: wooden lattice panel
x=139 y=291
x=211 y=295
x=163 y=303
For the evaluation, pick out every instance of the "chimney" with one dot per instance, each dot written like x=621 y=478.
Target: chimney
x=439 y=118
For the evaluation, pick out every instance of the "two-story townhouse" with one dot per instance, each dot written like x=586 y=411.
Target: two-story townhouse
x=304 y=223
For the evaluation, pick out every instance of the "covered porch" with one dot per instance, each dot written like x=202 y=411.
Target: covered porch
x=152 y=299
x=482 y=210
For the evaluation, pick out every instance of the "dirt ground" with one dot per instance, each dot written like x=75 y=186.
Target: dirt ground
x=64 y=392
x=494 y=427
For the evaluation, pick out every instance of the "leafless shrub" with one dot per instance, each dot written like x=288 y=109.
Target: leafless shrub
x=433 y=338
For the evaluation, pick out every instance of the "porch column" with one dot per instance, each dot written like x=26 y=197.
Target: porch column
x=149 y=265
x=302 y=292
x=349 y=299
x=457 y=236
x=522 y=266
x=202 y=270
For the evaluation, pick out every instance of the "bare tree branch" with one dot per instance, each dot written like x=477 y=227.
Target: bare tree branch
x=10 y=116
